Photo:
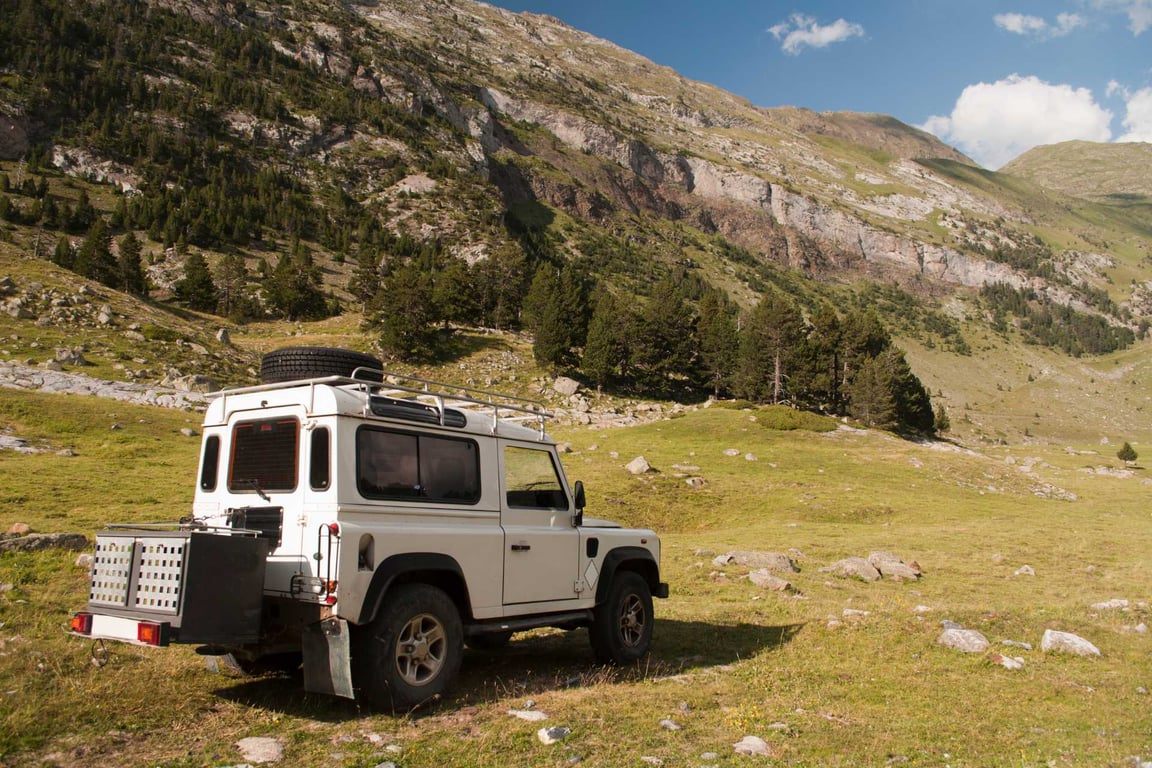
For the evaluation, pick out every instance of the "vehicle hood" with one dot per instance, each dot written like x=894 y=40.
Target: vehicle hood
x=596 y=522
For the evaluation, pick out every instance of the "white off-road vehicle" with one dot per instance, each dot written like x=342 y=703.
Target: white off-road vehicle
x=371 y=524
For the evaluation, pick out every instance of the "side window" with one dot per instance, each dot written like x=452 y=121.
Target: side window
x=402 y=465
x=530 y=479
x=319 y=472
x=211 y=467
x=264 y=455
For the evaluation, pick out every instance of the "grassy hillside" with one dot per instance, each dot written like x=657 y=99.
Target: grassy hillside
x=842 y=673
x=1107 y=172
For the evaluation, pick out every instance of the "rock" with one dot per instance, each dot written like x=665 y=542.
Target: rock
x=1116 y=604
x=696 y=482
x=193 y=383
x=893 y=567
x=853 y=568
x=1066 y=642
x=188 y=432
x=37 y=542
x=531 y=715
x=223 y=336
x=731 y=451
x=70 y=356
x=749 y=457
x=552 y=735
x=638 y=466
x=773 y=561
x=765 y=580
x=966 y=640
x=1008 y=662
x=670 y=725
x=1017 y=644
x=84 y=560
x=722 y=560
x=752 y=745
x=650 y=760
x=1025 y=570
x=566 y=386
x=20 y=529
x=261 y=749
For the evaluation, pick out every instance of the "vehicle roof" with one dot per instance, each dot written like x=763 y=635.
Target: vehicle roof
x=334 y=395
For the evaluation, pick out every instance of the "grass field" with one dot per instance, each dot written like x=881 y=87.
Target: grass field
x=822 y=687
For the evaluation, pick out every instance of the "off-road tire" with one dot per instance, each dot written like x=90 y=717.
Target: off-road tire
x=293 y=363
x=488 y=641
x=621 y=630
x=411 y=652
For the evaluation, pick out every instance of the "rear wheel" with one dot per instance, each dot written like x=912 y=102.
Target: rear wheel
x=621 y=630
x=411 y=651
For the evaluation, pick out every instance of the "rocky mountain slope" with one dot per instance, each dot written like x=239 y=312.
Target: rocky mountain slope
x=1106 y=172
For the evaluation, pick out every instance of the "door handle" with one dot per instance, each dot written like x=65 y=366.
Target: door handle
x=521 y=547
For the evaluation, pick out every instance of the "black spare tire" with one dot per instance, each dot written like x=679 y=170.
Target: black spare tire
x=292 y=363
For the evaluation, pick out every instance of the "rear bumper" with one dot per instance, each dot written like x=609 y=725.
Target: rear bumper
x=125 y=630
x=661 y=590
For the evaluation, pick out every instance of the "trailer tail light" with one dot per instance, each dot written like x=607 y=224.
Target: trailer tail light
x=81 y=624
x=150 y=633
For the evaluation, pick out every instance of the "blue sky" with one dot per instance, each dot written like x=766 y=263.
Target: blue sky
x=991 y=77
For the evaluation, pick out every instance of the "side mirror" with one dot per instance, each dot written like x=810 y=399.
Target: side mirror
x=578 y=492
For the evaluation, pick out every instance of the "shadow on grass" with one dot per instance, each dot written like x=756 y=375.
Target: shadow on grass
x=533 y=664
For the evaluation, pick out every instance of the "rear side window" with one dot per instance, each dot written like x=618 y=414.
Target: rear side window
x=319 y=472
x=211 y=466
x=391 y=464
x=264 y=455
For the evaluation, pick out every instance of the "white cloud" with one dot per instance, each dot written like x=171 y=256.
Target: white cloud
x=1139 y=12
x=1138 y=121
x=1114 y=88
x=995 y=122
x=799 y=30
x=1020 y=24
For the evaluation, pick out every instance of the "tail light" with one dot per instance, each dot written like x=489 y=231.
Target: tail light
x=150 y=633
x=330 y=589
x=81 y=624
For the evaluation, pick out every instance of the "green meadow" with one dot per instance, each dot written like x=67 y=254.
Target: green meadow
x=836 y=672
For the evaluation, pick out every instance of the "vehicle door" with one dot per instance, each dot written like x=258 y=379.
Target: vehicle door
x=541 y=546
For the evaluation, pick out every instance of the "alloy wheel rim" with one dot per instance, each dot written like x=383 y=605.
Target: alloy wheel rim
x=421 y=650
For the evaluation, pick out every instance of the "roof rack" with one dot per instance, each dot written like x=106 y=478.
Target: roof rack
x=437 y=394
x=441 y=396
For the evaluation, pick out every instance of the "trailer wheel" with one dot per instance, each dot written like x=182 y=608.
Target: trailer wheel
x=293 y=363
x=621 y=630
x=411 y=652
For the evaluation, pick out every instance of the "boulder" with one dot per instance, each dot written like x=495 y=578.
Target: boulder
x=966 y=640
x=566 y=386
x=773 y=561
x=764 y=579
x=853 y=568
x=892 y=567
x=37 y=542
x=638 y=466
x=1066 y=642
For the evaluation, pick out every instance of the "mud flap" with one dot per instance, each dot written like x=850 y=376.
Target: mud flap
x=328 y=659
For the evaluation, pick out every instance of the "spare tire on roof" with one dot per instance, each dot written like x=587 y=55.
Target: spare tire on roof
x=292 y=363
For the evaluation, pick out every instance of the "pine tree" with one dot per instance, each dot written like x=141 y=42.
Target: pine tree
x=404 y=315
x=943 y=423
x=65 y=254
x=663 y=344
x=870 y=392
x=454 y=294
x=94 y=260
x=605 y=351
x=719 y=342
x=1127 y=454
x=131 y=270
x=197 y=288
x=232 y=279
x=770 y=350
x=294 y=288
x=365 y=279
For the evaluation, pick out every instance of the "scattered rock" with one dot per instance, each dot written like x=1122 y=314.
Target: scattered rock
x=552 y=735
x=966 y=640
x=638 y=466
x=84 y=560
x=855 y=614
x=731 y=451
x=892 y=567
x=20 y=529
x=853 y=568
x=752 y=745
x=764 y=579
x=749 y=457
x=531 y=715
x=696 y=482
x=1008 y=662
x=670 y=725
x=566 y=386
x=1017 y=644
x=1116 y=604
x=188 y=432
x=773 y=561
x=1066 y=642
x=650 y=760
x=1025 y=570
x=722 y=560
x=261 y=749
x=37 y=542
x=223 y=337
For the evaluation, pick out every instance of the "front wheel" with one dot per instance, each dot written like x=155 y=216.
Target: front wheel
x=411 y=652
x=621 y=629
